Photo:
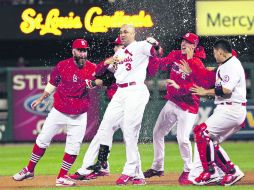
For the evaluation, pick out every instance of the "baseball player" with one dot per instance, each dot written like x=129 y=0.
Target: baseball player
x=128 y=103
x=93 y=149
x=70 y=79
x=197 y=168
x=182 y=106
x=227 y=118
x=92 y=152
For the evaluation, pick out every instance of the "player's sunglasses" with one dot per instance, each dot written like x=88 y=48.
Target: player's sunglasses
x=82 y=50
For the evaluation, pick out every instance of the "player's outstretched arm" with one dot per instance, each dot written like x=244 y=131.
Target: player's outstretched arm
x=47 y=91
x=218 y=91
x=156 y=45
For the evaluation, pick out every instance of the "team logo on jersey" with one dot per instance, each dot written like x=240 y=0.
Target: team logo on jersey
x=42 y=109
x=226 y=78
x=75 y=78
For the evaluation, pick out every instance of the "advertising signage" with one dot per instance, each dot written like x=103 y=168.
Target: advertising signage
x=225 y=17
x=52 y=22
x=100 y=20
x=42 y=22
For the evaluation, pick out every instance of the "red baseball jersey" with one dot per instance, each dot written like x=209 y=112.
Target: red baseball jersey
x=71 y=96
x=199 y=76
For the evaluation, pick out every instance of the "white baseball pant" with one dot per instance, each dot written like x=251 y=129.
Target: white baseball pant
x=128 y=104
x=75 y=128
x=92 y=153
x=170 y=115
x=225 y=121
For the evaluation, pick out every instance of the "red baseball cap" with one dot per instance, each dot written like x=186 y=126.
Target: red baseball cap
x=192 y=38
x=80 y=43
x=117 y=41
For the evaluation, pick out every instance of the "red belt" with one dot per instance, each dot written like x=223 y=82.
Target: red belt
x=231 y=103
x=124 y=85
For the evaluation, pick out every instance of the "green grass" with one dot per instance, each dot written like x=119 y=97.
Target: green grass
x=14 y=157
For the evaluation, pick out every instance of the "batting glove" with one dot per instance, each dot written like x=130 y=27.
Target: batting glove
x=152 y=41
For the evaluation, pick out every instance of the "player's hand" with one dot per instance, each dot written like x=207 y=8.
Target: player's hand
x=152 y=41
x=98 y=82
x=184 y=66
x=112 y=60
x=172 y=83
x=197 y=90
x=36 y=103
x=211 y=68
x=189 y=52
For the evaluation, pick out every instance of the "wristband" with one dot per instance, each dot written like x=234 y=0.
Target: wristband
x=219 y=90
x=156 y=47
x=49 y=88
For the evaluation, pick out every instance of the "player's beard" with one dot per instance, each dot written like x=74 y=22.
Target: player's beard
x=80 y=61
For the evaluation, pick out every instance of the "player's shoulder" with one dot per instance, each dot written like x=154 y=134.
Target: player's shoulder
x=235 y=59
x=197 y=62
x=232 y=62
x=142 y=43
x=175 y=52
x=64 y=62
x=91 y=64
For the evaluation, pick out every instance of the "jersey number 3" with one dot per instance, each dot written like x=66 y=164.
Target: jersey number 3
x=128 y=66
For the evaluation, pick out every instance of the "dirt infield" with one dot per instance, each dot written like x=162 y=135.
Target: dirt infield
x=169 y=179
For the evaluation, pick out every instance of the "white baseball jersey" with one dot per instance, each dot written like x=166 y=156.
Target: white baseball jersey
x=228 y=119
x=133 y=65
x=231 y=76
x=128 y=103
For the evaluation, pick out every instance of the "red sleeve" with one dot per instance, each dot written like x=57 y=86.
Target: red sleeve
x=101 y=68
x=153 y=66
x=165 y=62
x=55 y=75
x=202 y=76
x=94 y=67
x=156 y=53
